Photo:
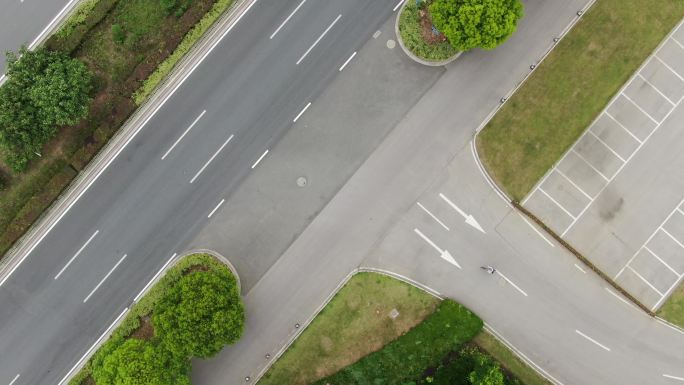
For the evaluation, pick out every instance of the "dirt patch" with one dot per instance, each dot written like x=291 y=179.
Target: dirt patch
x=430 y=34
x=195 y=268
x=145 y=331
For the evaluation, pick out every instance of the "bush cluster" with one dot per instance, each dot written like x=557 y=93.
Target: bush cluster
x=406 y=358
x=470 y=367
x=195 y=310
x=44 y=90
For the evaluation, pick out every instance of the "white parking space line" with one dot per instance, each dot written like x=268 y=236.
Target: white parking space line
x=347 y=61
x=137 y=297
x=433 y=216
x=645 y=280
x=668 y=67
x=287 y=19
x=641 y=109
x=260 y=158
x=607 y=146
x=511 y=282
x=574 y=185
x=623 y=127
x=211 y=159
x=554 y=201
x=104 y=279
x=623 y=300
x=677 y=41
x=655 y=88
x=668 y=292
x=216 y=208
x=580 y=268
x=183 y=135
x=589 y=164
x=301 y=112
x=14 y=379
x=604 y=347
x=77 y=254
x=93 y=346
x=398 y=5
x=673 y=377
x=680 y=211
x=661 y=261
x=672 y=237
x=536 y=231
x=319 y=39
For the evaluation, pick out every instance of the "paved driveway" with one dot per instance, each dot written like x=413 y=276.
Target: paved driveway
x=616 y=195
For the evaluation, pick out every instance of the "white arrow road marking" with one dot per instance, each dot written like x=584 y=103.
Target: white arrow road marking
x=442 y=253
x=469 y=219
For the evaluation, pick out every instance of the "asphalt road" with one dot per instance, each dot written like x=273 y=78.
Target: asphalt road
x=25 y=22
x=143 y=208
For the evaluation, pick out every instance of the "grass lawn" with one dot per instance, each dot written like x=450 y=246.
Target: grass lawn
x=508 y=360
x=673 y=309
x=571 y=87
x=355 y=323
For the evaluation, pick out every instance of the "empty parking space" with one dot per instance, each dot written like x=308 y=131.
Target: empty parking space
x=614 y=216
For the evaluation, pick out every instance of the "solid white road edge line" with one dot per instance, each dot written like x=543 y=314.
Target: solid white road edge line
x=669 y=325
x=133 y=135
x=666 y=376
x=87 y=353
x=137 y=297
x=593 y=340
x=15 y=379
x=432 y=215
x=511 y=282
x=77 y=254
x=216 y=208
x=319 y=39
x=348 y=60
x=260 y=158
x=105 y=278
x=536 y=231
x=301 y=112
x=183 y=135
x=51 y=24
x=521 y=354
x=398 y=5
x=211 y=159
x=623 y=300
x=287 y=19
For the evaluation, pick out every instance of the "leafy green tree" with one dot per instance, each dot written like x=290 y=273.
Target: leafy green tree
x=200 y=314
x=469 y=24
x=137 y=362
x=44 y=90
x=485 y=371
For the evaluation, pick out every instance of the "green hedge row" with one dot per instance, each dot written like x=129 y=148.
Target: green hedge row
x=163 y=70
x=405 y=359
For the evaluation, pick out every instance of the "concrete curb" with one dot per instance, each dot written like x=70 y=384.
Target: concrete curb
x=411 y=54
x=218 y=256
x=79 y=185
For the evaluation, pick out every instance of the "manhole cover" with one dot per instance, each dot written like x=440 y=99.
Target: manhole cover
x=301 y=181
x=391 y=44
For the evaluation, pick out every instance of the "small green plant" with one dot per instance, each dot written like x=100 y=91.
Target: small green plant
x=118 y=34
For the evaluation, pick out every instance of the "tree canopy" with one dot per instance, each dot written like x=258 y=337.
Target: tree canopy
x=469 y=24
x=44 y=90
x=200 y=314
x=137 y=362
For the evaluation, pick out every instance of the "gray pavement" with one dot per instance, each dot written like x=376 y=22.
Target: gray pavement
x=617 y=194
x=146 y=208
x=28 y=22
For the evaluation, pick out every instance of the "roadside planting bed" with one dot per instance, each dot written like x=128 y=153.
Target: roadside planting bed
x=192 y=311
x=122 y=42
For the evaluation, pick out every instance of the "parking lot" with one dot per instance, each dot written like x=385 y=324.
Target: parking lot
x=616 y=195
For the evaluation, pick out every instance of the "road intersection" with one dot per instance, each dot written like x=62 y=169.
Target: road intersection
x=243 y=159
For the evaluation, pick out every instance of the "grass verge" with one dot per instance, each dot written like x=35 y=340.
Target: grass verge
x=673 y=309
x=570 y=88
x=508 y=360
x=411 y=32
x=355 y=323
x=145 y=36
x=137 y=323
